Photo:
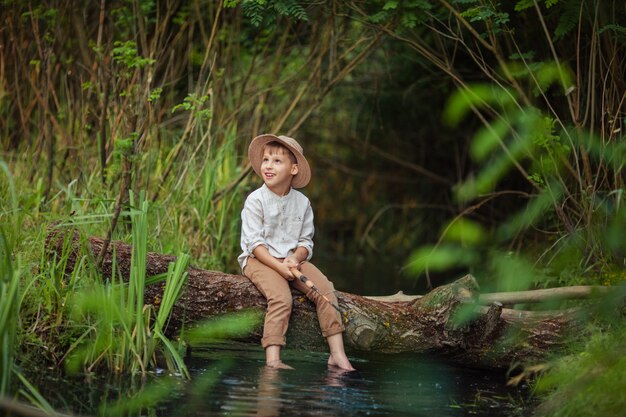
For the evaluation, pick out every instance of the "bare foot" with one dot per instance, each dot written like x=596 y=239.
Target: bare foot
x=278 y=365
x=340 y=362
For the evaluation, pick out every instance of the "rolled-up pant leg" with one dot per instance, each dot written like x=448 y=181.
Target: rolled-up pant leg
x=328 y=316
x=276 y=290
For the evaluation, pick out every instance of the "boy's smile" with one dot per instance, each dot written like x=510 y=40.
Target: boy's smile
x=278 y=171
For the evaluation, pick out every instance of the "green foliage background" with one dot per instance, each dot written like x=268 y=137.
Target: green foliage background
x=445 y=137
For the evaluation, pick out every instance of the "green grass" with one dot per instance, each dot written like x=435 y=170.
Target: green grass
x=122 y=332
x=9 y=310
x=9 y=284
x=590 y=382
x=14 y=284
x=81 y=321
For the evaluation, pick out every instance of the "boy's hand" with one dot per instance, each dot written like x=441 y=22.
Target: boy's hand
x=284 y=271
x=292 y=261
x=280 y=266
x=289 y=262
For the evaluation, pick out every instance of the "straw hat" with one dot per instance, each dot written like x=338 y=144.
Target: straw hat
x=255 y=154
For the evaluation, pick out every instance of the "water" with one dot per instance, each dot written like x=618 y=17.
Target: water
x=230 y=379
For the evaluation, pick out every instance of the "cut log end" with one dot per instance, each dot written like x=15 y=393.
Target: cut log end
x=362 y=337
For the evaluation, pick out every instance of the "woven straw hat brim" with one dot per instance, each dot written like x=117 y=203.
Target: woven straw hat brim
x=255 y=154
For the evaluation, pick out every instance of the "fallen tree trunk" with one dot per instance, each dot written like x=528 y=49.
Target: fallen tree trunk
x=494 y=338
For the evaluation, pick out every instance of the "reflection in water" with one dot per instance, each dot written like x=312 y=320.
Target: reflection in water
x=268 y=395
x=344 y=393
x=384 y=385
x=231 y=380
x=274 y=392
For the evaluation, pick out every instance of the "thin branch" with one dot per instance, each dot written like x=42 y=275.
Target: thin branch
x=544 y=295
x=467 y=26
x=556 y=60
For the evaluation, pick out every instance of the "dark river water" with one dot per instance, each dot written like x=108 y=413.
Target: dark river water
x=230 y=379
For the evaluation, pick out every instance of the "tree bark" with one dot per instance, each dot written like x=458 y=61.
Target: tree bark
x=495 y=338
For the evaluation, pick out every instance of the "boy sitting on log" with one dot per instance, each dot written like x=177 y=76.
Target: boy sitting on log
x=277 y=238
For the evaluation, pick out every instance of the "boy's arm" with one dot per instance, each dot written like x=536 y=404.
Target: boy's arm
x=305 y=241
x=263 y=255
x=304 y=251
x=300 y=255
x=252 y=225
x=294 y=260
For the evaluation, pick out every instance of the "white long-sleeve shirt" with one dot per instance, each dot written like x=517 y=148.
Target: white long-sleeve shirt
x=281 y=224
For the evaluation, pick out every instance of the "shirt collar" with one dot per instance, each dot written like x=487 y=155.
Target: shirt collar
x=275 y=196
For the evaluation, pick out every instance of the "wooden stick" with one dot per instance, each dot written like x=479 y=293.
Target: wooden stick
x=516 y=297
x=537 y=296
x=299 y=275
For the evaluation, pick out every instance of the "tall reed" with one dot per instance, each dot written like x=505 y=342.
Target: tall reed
x=204 y=210
x=122 y=332
x=9 y=312
x=9 y=281
x=14 y=284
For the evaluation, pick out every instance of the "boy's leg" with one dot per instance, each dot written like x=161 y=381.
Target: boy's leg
x=277 y=292
x=338 y=355
x=329 y=318
x=272 y=357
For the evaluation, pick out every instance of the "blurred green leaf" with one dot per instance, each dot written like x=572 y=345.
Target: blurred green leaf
x=439 y=258
x=464 y=314
x=480 y=95
x=464 y=231
x=149 y=397
x=513 y=272
x=228 y=326
x=391 y=4
x=551 y=73
x=488 y=138
x=538 y=207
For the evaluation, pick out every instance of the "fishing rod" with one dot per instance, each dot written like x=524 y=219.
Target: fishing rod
x=363 y=333
x=299 y=275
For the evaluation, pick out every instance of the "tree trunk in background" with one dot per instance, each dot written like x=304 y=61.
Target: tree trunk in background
x=496 y=338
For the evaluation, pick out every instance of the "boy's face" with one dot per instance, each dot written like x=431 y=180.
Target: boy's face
x=277 y=170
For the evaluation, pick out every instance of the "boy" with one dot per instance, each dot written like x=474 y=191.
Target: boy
x=276 y=238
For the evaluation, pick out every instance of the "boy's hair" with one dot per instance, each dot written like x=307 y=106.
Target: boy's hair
x=275 y=146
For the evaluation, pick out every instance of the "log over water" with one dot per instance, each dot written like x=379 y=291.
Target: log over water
x=495 y=338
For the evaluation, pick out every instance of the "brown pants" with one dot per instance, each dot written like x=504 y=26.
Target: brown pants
x=277 y=291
